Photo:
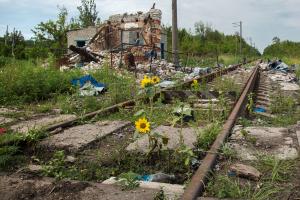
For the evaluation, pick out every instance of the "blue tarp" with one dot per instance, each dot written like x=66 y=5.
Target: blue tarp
x=88 y=78
x=259 y=110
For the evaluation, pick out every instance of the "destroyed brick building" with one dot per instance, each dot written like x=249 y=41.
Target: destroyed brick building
x=138 y=34
x=81 y=37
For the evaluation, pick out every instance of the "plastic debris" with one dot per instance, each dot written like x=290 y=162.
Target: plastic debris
x=2 y=131
x=89 y=86
x=259 y=110
x=158 y=177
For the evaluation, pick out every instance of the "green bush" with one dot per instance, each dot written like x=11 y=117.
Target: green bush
x=24 y=82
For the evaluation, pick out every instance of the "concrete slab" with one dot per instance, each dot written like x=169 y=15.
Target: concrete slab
x=172 y=191
x=271 y=141
x=298 y=136
x=7 y=111
x=4 y=120
x=189 y=137
x=289 y=86
x=25 y=126
x=78 y=137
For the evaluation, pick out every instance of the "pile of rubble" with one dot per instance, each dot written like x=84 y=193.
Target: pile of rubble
x=280 y=72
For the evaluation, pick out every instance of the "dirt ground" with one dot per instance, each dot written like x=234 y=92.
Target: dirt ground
x=23 y=187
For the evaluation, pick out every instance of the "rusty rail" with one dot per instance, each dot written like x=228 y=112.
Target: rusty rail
x=200 y=178
x=115 y=108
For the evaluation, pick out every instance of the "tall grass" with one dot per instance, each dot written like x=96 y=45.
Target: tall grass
x=26 y=82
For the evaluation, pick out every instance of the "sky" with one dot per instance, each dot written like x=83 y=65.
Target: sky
x=262 y=19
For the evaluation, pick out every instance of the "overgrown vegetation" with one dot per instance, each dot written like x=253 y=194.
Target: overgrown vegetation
x=285 y=110
x=208 y=42
x=24 y=82
x=287 y=50
x=207 y=136
x=12 y=146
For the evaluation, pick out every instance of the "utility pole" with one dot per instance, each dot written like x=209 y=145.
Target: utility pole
x=175 y=34
x=240 y=25
x=6 y=36
x=241 y=37
x=13 y=43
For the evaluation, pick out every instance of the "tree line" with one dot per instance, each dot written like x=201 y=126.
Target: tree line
x=49 y=37
x=286 y=48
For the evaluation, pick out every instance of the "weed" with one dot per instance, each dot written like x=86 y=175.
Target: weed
x=128 y=181
x=33 y=136
x=248 y=137
x=276 y=170
x=228 y=152
x=244 y=122
x=56 y=166
x=226 y=85
x=266 y=191
x=160 y=195
x=186 y=154
x=8 y=156
x=207 y=136
x=250 y=104
x=11 y=138
x=225 y=187
x=282 y=104
x=297 y=71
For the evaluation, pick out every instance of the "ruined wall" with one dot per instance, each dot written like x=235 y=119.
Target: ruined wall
x=85 y=34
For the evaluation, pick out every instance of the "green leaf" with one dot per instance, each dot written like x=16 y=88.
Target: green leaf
x=139 y=113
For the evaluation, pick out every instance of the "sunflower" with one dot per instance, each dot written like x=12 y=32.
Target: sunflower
x=142 y=125
x=195 y=83
x=155 y=79
x=146 y=82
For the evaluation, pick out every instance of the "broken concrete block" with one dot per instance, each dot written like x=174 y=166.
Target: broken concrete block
x=286 y=153
x=298 y=136
x=4 y=120
x=78 y=137
x=189 y=137
x=35 y=168
x=24 y=127
x=245 y=171
x=289 y=86
x=271 y=141
x=169 y=189
x=70 y=159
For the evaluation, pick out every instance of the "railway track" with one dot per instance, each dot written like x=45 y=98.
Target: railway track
x=200 y=178
x=62 y=134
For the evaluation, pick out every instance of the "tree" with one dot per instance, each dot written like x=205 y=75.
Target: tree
x=53 y=33
x=276 y=40
x=13 y=45
x=88 y=15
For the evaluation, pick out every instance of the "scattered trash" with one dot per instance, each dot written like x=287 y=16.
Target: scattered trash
x=89 y=86
x=278 y=65
x=259 y=110
x=2 y=131
x=167 y=84
x=158 y=177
